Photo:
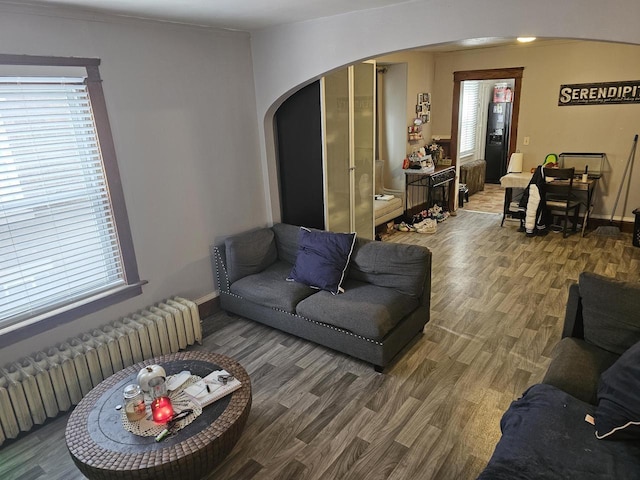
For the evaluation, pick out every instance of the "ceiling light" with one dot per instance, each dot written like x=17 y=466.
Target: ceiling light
x=526 y=39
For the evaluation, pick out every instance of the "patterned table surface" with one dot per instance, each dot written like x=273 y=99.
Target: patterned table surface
x=102 y=449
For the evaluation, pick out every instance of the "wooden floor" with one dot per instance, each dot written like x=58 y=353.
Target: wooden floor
x=489 y=200
x=498 y=302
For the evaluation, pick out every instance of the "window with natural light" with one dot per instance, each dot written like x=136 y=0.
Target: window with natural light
x=469 y=117
x=60 y=243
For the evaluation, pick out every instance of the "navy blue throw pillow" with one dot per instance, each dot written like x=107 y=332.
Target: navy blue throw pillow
x=618 y=412
x=322 y=259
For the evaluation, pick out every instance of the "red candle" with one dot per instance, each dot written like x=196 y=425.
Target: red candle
x=161 y=409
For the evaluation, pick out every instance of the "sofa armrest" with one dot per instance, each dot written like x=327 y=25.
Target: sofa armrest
x=573 y=322
x=425 y=298
x=576 y=367
x=220 y=268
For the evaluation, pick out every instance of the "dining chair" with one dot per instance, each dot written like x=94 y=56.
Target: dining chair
x=512 y=206
x=559 y=196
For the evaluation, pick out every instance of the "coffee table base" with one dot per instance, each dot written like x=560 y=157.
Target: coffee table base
x=102 y=449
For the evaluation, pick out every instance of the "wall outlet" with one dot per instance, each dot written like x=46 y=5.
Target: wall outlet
x=526 y=140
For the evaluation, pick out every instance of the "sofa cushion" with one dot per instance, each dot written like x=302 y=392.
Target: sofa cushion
x=364 y=309
x=576 y=368
x=322 y=259
x=270 y=288
x=610 y=312
x=249 y=253
x=393 y=265
x=618 y=412
x=286 y=241
x=545 y=437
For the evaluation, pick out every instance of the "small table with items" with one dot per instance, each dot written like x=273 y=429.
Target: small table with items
x=521 y=180
x=423 y=183
x=102 y=448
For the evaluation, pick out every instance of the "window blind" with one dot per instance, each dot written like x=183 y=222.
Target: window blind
x=58 y=239
x=469 y=116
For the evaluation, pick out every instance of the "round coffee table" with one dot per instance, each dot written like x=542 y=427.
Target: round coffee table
x=102 y=449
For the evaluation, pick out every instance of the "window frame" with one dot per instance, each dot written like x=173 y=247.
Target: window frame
x=41 y=323
x=477 y=122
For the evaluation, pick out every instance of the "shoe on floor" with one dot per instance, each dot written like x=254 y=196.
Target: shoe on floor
x=428 y=226
x=405 y=227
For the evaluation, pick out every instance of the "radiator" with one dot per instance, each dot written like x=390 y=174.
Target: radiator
x=46 y=383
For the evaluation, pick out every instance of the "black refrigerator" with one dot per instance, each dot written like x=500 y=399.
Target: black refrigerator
x=496 y=151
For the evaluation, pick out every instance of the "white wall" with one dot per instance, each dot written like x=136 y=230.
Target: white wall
x=418 y=76
x=395 y=114
x=182 y=109
x=289 y=56
x=555 y=129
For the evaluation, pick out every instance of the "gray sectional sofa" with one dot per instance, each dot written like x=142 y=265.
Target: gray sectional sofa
x=594 y=371
x=385 y=303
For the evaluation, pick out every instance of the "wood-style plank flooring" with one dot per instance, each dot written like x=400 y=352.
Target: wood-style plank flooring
x=489 y=200
x=498 y=302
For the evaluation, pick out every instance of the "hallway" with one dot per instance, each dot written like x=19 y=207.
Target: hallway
x=489 y=200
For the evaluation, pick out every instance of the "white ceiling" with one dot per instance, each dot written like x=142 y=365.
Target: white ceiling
x=245 y=15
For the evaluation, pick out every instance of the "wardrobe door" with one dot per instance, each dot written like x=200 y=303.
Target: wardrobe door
x=364 y=76
x=337 y=141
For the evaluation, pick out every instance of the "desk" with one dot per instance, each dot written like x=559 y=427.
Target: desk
x=425 y=182
x=521 y=180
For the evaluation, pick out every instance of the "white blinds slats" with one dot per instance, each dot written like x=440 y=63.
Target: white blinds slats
x=469 y=116
x=58 y=240
x=25 y=198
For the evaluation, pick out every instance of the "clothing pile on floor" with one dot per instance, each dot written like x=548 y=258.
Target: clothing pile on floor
x=424 y=222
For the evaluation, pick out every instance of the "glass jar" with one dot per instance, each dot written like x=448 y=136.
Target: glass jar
x=134 y=406
x=161 y=407
x=158 y=387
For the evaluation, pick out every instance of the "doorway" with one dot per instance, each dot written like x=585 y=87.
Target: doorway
x=496 y=131
x=485 y=125
x=516 y=74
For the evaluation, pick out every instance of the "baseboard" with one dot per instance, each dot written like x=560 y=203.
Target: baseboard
x=208 y=305
x=625 y=227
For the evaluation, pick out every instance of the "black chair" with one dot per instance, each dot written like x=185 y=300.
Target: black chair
x=559 y=195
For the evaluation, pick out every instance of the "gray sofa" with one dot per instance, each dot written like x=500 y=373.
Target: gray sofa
x=385 y=304
x=544 y=433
